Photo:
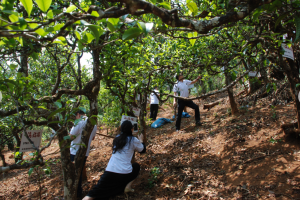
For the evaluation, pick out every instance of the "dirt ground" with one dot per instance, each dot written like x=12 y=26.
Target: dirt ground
x=243 y=156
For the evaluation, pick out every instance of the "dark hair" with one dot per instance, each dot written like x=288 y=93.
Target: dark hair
x=177 y=76
x=126 y=135
x=80 y=112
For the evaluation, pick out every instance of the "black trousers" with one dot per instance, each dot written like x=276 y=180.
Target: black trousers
x=181 y=105
x=79 y=188
x=153 y=111
x=112 y=184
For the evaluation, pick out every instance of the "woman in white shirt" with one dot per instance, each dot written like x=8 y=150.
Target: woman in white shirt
x=120 y=172
x=154 y=104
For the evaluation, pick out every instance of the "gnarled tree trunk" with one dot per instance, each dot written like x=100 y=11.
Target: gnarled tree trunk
x=233 y=105
x=292 y=73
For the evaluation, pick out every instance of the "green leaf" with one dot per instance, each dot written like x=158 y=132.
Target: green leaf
x=153 y=1
x=93 y=122
x=30 y=171
x=88 y=38
x=192 y=7
x=34 y=55
x=32 y=25
x=42 y=107
x=23 y=23
x=71 y=8
x=280 y=18
x=13 y=18
x=77 y=120
x=58 y=104
x=55 y=112
x=77 y=35
x=61 y=40
x=297 y=22
x=68 y=137
x=111 y=27
x=44 y=4
x=41 y=32
x=71 y=100
x=55 y=122
x=83 y=109
x=131 y=33
x=50 y=14
x=274 y=86
x=114 y=21
x=47 y=171
x=166 y=5
x=256 y=14
x=191 y=35
x=95 y=14
x=97 y=31
x=233 y=76
x=13 y=66
x=57 y=27
x=27 y=5
x=80 y=46
x=146 y=27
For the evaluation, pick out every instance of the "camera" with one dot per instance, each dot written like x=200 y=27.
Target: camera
x=135 y=127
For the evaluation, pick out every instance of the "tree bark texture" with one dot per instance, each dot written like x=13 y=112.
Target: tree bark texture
x=292 y=73
x=69 y=177
x=233 y=105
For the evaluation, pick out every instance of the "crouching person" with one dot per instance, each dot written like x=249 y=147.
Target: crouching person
x=120 y=172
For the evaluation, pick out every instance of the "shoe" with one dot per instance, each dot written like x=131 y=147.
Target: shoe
x=180 y=131
x=127 y=190
x=199 y=123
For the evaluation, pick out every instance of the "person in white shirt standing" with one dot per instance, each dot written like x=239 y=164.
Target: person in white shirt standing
x=75 y=134
x=120 y=172
x=154 y=104
x=182 y=87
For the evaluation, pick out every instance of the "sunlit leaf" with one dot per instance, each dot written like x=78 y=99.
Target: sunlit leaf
x=50 y=14
x=95 y=14
x=41 y=32
x=192 y=7
x=146 y=27
x=71 y=8
x=166 y=5
x=114 y=21
x=13 y=18
x=191 y=35
x=27 y=5
x=77 y=35
x=44 y=4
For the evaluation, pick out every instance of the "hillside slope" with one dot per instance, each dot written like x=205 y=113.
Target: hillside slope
x=246 y=156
